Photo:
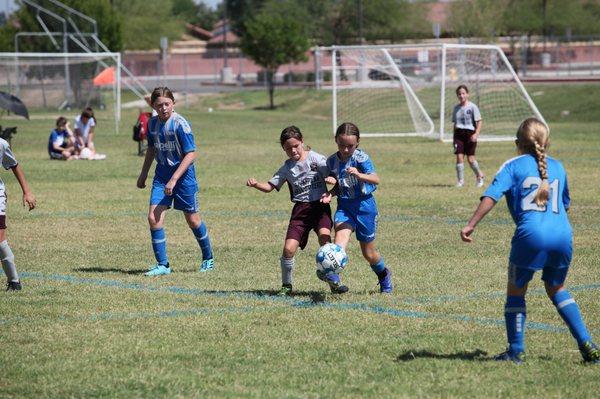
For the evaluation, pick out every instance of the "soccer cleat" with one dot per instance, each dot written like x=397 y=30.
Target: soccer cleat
x=460 y=183
x=385 y=282
x=207 y=265
x=508 y=356
x=480 y=182
x=286 y=290
x=13 y=286
x=335 y=285
x=158 y=270
x=590 y=352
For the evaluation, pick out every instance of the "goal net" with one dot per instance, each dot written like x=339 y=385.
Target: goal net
x=404 y=90
x=51 y=84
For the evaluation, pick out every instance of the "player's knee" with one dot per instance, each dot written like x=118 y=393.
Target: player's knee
x=152 y=221
x=193 y=220
x=551 y=290
x=289 y=251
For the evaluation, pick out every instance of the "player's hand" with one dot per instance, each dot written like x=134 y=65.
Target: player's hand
x=251 y=182
x=352 y=171
x=170 y=186
x=330 y=180
x=29 y=200
x=141 y=181
x=474 y=138
x=466 y=232
x=326 y=198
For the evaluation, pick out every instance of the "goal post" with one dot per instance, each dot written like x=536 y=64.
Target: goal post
x=64 y=83
x=409 y=90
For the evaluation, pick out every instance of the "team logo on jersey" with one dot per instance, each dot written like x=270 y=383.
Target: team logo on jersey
x=314 y=167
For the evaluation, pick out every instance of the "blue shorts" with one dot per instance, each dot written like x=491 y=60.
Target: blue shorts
x=184 y=199
x=520 y=276
x=361 y=216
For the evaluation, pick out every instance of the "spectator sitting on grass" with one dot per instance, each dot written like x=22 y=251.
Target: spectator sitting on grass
x=60 y=142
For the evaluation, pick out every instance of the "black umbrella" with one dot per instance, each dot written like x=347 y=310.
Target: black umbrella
x=13 y=104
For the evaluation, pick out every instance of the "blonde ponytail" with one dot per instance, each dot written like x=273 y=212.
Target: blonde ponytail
x=544 y=190
x=532 y=138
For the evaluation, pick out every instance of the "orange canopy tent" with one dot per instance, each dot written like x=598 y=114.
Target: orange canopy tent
x=106 y=77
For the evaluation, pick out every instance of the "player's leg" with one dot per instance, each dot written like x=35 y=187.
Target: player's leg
x=13 y=283
x=323 y=223
x=366 y=229
x=569 y=311
x=187 y=202
x=460 y=165
x=156 y=218
x=515 y=313
x=200 y=232
x=287 y=263
x=474 y=164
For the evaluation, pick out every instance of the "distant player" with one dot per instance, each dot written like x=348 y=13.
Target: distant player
x=357 y=209
x=537 y=195
x=171 y=143
x=6 y=255
x=467 y=125
x=304 y=172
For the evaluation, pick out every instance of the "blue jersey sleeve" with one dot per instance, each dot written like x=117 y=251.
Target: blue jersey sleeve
x=364 y=164
x=503 y=182
x=185 y=136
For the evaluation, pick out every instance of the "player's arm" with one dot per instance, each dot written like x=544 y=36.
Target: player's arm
x=372 y=178
x=475 y=135
x=185 y=163
x=141 y=182
x=91 y=136
x=264 y=187
x=28 y=198
x=329 y=194
x=484 y=207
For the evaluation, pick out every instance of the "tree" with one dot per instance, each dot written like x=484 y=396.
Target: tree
x=274 y=37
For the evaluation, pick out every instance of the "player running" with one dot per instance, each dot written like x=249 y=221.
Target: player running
x=305 y=172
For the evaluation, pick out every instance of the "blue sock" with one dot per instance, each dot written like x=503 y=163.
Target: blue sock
x=334 y=278
x=514 y=315
x=159 y=245
x=201 y=234
x=378 y=267
x=569 y=311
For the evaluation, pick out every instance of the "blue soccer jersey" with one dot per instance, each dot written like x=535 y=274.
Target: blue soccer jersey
x=172 y=140
x=350 y=187
x=543 y=236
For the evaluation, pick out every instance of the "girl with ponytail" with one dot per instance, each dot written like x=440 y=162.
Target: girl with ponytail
x=537 y=195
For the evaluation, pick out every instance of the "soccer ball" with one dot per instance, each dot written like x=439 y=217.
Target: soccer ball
x=86 y=153
x=331 y=259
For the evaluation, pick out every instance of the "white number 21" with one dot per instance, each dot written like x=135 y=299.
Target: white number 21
x=528 y=203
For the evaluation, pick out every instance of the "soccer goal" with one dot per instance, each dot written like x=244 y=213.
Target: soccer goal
x=409 y=90
x=65 y=83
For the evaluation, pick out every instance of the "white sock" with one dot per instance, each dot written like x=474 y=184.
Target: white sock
x=460 y=171
x=287 y=267
x=8 y=262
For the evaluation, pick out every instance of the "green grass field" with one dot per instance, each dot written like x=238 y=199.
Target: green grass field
x=88 y=324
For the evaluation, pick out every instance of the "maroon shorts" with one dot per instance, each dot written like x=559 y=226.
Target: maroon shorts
x=463 y=143
x=307 y=216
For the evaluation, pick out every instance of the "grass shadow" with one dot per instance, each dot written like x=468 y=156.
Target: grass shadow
x=315 y=296
x=96 y=269
x=476 y=355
